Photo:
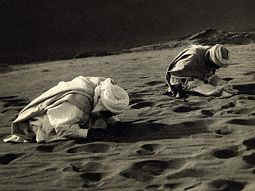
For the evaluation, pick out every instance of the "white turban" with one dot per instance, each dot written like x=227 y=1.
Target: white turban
x=113 y=97
x=216 y=52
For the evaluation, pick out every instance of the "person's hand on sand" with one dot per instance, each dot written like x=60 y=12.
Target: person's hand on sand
x=14 y=139
x=225 y=94
x=209 y=90
x=229 y=89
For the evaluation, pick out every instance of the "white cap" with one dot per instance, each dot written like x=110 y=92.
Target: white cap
x=216 y=53
x=113 y=97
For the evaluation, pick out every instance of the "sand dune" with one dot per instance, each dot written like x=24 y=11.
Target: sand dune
x=162 y=143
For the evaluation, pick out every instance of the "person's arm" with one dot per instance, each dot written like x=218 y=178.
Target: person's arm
x=208 y=90
x=72 y=131
x=65 y=118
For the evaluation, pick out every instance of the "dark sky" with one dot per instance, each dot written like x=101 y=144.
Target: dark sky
x=29 y=25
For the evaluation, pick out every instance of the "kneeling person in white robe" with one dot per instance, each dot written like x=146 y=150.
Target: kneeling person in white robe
x=69 y=110
x=193 y=70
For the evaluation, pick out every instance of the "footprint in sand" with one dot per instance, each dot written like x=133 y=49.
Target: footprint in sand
x=148 y=149
x=85 y=180
x=250 y=159
x=224 y=130
x=222 y=184
x=245 y=88
x=227 y=79
x=91 y=178
x=91 y=172
x=48 y=148
x=249 y=143
x=184 y=108
x=153 y=187
x=9 y=157
x=242 y=122
x=145 y=170
x=186 y=128
x=225 y=153
x=171 y=186
x=207 y=112
x=91 y=148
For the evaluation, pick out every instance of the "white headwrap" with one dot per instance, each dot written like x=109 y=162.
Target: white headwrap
x=216 y=55
x=113 y=97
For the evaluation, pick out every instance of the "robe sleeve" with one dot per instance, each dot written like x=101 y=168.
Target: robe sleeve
x=187 y=66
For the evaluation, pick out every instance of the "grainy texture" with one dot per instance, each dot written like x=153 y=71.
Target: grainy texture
x=197 y=144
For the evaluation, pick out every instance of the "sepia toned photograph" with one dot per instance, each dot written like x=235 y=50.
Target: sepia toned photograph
x=127 y=95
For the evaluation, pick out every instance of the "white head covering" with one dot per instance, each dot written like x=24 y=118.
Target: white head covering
x=113 y=97
x=216 y=52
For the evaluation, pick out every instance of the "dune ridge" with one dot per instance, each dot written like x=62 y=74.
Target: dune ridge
x=161 y=143
x=49 y=30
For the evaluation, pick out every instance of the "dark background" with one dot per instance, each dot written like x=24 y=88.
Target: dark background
x=34 y=30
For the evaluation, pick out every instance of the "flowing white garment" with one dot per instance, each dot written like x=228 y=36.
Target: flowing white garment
x=56 y=114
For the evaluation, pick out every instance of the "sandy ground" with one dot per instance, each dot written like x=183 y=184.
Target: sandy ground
x=196 y=144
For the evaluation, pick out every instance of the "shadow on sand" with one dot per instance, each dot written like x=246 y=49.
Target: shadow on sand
x=144 y=131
